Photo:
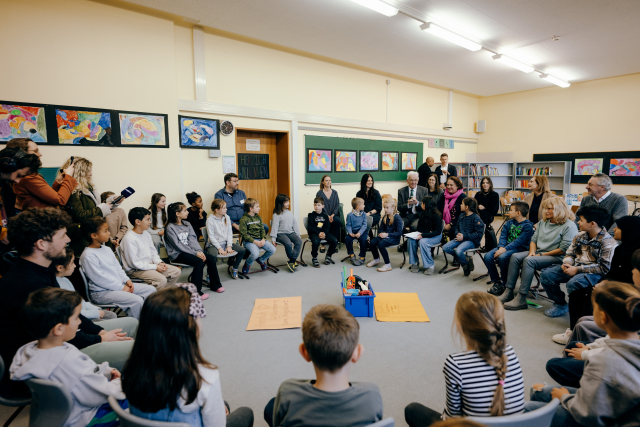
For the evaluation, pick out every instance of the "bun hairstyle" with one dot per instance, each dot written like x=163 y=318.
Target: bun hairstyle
x=192 y=197
x=621 y=302
x=479 y=317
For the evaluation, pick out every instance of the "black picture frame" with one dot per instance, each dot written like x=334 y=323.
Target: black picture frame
x=397 y=168
x=110 y=139
x=607 y=156
x=199 y=147
x=335 y=160
x=402 y=166
x=165 y=118
x=360 y=169
x=319 y=149
x=47 y=134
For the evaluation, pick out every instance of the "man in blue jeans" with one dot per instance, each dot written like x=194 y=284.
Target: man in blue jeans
x=586 y=261
x=515 y=237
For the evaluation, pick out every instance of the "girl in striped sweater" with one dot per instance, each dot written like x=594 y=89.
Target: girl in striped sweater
x=484 y=381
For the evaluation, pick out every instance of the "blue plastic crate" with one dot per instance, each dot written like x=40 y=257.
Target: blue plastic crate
x=359 y=306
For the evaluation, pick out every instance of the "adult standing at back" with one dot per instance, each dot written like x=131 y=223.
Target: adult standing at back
x=599 y=188
x=409 y=198
x=331 y=205
x=445 y=170
x=424 y=171
x=33 y=191
x=539 y=186
x=234 y=198
x=371 y=197
x=488 y=201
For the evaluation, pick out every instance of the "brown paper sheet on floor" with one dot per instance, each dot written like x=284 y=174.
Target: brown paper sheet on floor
x=276 y=313
x=399 y=307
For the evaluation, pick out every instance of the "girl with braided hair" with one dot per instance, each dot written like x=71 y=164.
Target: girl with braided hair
x=486 y=379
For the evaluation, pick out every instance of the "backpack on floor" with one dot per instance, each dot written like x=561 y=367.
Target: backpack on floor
x=490 y=239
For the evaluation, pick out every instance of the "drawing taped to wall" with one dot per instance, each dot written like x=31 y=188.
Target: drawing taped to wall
x=369 y=161
x=409 y=161
x=588 y=166
x=83 y=127
x=389 y=161
x=143 y=129
x=346 y=161
x=199 y=133
x=22 y=121
x=318 y=160
x=624 y=167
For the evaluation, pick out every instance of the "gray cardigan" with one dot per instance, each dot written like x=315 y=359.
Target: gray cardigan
x=181 y=238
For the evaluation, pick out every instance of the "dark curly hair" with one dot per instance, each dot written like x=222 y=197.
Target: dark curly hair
x=192 y=197
x=35 y=224
x=92 y=225
x=30 y=161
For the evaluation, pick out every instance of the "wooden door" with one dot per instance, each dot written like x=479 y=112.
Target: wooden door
x=263 y=190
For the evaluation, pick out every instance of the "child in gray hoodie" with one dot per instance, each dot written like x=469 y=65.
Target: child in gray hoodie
x=609 y=393
x=51 y=315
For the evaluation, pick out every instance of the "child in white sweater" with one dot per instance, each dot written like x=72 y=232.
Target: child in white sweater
x=285 y=231
x=108 y=283
x=220 y=233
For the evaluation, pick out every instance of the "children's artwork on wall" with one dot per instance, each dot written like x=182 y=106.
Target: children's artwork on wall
x=346 y=161
x=22 y=121
x=624 y=167
x=389 y=161
x=318 y=160
x=83 y=127
x=141 y=129
x=588 y=166
x=197 y=132
x=369 y=161
x=432 y=143
x=409 y=161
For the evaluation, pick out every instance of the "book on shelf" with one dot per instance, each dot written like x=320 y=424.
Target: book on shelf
x=522 y=183
x=460 y=170
x=475 y=169
x=534 y=171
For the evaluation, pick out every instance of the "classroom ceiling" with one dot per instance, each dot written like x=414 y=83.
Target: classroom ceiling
x=598 y=38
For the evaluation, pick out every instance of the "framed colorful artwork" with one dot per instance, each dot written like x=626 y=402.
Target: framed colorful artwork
x=390 y=161
x=23 y=120
x=624 y=167
x=196 y=132
x=588 y=166
x=84 y=126
x=409 y=161
x=143 y=129
x=346 y=161
x=369 y=161
x=319 y=160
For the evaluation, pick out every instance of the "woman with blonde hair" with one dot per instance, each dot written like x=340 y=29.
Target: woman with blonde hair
x=552 y=238
x=485 y=380
x=84 y=202
x=539 y=186
x=388 y=235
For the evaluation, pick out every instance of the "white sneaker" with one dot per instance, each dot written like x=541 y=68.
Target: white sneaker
x=386 y=267
x=562 y=338
x=373 y=263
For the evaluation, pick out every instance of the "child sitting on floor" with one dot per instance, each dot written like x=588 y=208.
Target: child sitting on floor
x=254 y=236
x=468 y=234
x=108 y=283
x=318 y=229
x=356 y=230
x=220 y=233
x=430 y=228
x=285 y=230
x=484 y=381
x=330 y=341
x=177 y=384
x=610 y=386
x=515 y=237
x=51 y=316
x=389 y=234
x=64 y=267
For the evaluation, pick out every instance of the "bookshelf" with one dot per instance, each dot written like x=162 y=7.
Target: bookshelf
x=463 y=173
x=501 y=173
x=558 y=174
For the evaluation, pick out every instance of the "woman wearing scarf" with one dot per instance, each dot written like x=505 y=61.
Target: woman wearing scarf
x=449 y=205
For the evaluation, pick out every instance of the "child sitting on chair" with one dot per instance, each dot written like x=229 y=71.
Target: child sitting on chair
x=51 y=316
x=220 y=234
x=254 y=236
x=468 y=234
x=318 y=229
x=356 y=230
x=285 y=230
x=389 y=234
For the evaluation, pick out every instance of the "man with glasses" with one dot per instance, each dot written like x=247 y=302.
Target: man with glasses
x=234 y=198
x=409 y=198
x=599 y=188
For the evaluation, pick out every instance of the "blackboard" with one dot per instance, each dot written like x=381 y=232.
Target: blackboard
x=253 y=166
x=606 y=156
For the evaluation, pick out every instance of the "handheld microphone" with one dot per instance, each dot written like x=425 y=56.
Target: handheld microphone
x=123 y=195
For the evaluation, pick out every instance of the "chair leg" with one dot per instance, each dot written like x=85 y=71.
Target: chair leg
x=446 y=262
x=300 y=261
x=14 y=416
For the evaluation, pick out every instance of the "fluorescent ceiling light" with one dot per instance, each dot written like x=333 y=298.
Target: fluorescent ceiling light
x=378 y=6
x=443 y=33
x=513 y=63
x=555 y=80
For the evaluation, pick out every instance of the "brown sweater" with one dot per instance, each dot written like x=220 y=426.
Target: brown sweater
x=33 y=192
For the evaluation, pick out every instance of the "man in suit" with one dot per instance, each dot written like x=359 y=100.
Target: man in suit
x=409 y=199
x=445 y=170
x=424 y=171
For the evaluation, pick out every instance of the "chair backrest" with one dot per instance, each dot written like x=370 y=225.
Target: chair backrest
x=472 y=193
x=119 y=255
x=205 y=236
x=128 y=420
x=86 y=283
x=539 y=418
x=369 y=222
x=305 y=222
x=51 y=403
x=387 y=422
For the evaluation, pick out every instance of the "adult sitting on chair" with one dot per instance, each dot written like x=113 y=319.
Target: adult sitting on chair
x=409 y=201
x=449 y=205
x=539 y=186
x=372 y=200
x=40 y=235
x=234 y=198
x=599 y=188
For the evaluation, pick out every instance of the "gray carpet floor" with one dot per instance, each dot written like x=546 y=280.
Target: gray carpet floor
x=405 y=360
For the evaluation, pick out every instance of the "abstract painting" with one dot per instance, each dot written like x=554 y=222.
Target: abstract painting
x=624 y=167
x=409 y=161
x=319 y=160
x=83 y=127
x=346 y=161
x=588 y=166
x=21 y=121
x=369 y=161
x=199 y=133
x=389 y=161
x=142 y=129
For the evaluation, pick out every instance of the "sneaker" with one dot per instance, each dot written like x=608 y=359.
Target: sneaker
x=204 y=297
x=562 y=338
x=465 y=269
x=415 y=268
x=328 y=260
x=497 y=289
x=220 y=290
x=556 y=310
x=292 y=266
x=263 y=265
x=355 y=261
x=430 y=271
x=455 y=262
x=322 y=249
x=373 y=263
x=470 y=263
x=386 y=267
x=315 y=262
x=234 y=273
x=245 y=268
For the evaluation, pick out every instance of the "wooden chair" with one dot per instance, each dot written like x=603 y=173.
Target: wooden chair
x=472 y=193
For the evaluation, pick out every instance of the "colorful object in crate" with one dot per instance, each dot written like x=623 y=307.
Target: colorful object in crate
x=358 y=300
